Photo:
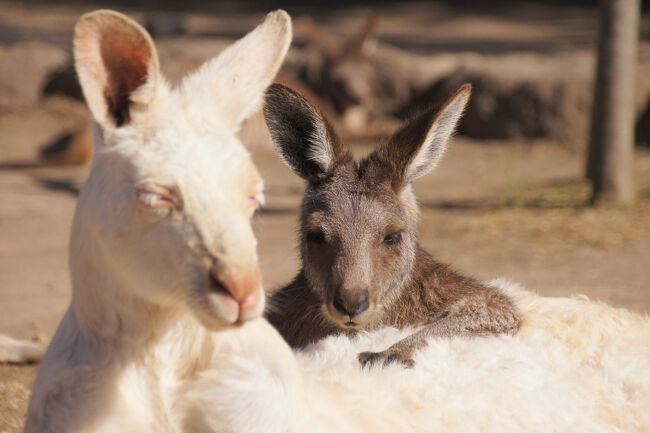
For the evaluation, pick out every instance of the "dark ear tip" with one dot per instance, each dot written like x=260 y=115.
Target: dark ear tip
x=278 y=93
x=277 y=90
x=275 y=94
x=277 y=87
x=274 y=91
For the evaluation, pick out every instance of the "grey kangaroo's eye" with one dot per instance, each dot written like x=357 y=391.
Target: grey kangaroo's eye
x=316 y=237
x=393 y=238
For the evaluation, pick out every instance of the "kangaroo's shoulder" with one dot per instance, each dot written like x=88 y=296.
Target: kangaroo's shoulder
x=435 y=287
x=430 y=274
x=432 y=287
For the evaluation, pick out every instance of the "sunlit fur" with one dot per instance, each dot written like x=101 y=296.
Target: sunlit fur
x=574 y=365
x=166 y=206
x=362 y=265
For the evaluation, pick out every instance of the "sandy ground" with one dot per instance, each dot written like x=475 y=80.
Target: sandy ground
x=492 y=209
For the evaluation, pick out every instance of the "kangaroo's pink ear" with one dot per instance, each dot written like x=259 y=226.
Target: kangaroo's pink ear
x=230 y=88
x=117 y=66
x=418 y=145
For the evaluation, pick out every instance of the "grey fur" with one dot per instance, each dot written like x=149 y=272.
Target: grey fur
x=352 y=214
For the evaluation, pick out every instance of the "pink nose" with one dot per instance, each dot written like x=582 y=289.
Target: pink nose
x=243 y=285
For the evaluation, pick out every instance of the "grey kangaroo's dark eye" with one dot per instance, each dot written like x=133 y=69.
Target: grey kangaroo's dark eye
x=316 y=237
x=393 y=238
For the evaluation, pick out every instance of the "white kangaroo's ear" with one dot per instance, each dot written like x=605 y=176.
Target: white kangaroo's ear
x=419 y=144
x=234 y=82
x=302 y=136
x=117 y=66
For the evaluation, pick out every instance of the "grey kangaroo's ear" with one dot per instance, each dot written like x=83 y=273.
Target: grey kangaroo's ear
x=419 y=144
x=117 y=66
x=302 y=136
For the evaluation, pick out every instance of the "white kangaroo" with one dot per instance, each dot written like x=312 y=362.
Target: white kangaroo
x=162 y=252
x=164 y=332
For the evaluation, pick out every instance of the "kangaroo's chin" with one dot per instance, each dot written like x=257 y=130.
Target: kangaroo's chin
x=358 y=322
x=218 y=309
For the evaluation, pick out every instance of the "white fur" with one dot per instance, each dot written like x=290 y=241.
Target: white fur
x=575 y=366
x=435 y=142
x=167 y=204
x=319 y=147
x=241 y=79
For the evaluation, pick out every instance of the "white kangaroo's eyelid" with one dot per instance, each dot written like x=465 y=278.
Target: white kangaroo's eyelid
x=154 y=196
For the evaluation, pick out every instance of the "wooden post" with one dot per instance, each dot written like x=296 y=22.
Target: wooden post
x=610 y=164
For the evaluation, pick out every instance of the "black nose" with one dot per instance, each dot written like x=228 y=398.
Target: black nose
x=353 y=306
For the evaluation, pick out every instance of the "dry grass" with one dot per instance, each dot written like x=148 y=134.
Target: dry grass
x=14 y=396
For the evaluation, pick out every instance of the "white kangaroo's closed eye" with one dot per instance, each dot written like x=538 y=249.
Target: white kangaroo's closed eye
x=152 y=196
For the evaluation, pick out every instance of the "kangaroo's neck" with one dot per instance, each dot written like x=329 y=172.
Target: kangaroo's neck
x=297 y=313
x=103 y=304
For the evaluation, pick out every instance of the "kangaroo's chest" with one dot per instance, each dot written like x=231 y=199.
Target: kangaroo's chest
x=103 y=398
x=147 y=396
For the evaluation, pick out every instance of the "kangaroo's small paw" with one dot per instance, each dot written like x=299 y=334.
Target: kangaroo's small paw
x=387 y=357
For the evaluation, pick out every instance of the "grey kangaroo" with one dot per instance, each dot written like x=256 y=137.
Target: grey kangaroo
x=362 y=266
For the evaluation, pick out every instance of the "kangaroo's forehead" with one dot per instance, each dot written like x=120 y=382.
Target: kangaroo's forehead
x=352 y=203
x=365 y=178
x=183 y=158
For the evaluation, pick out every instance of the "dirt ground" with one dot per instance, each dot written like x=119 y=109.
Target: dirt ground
x=514 y=209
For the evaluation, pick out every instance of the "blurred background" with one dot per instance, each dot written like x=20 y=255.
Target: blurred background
x=547 y=182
